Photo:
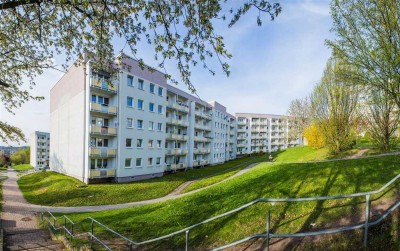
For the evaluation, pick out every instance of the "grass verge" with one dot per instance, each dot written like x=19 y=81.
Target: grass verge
x=265 y=180
x=54 y=189
x=22 y=167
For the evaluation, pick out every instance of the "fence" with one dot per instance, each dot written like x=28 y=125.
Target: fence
x=68 y=225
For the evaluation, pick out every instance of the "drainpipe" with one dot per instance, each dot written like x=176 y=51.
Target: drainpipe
x=84 y=118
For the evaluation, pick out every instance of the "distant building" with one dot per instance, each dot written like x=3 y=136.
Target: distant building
x=40 y=150
x=10 y=150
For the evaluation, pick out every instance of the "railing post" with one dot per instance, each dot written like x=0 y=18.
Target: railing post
x=268 y=227
x=367 y=205
x=91 y=236
x=130 y=246
x=65 y=227
x=187 y=240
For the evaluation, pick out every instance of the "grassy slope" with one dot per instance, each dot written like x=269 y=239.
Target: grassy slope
x=50 y=188
x=22 y=167
x=265 y=180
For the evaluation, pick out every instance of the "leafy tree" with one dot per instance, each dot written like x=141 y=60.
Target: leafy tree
x=299 y=117
x=21 y=157
x=379 y=110
x=333 y=103
x=314 y=136
x=4 y=160
x=32 y=32
x=367 y=36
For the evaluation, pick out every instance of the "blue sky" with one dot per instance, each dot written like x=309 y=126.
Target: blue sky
x=271 y=65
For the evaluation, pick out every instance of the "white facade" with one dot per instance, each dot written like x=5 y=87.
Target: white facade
x=138 y=127
x=39 y=149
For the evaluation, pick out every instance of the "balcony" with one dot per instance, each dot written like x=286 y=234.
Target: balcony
x=103 y=85
x=176 y=166
x=241 y=122
x=241 y=129
x=102 y=130
x=241 y=145
x=200 y=162
x=201 y=151
x=102 y=152
x=202 y=127
x=102 y=173
x=203 y=115
x=179 y=107
x=177 y=122
x=101 y=108
x=202 y=139
x=172 y=136
x=176 y=151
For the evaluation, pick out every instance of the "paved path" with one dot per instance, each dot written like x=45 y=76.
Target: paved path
x=19 y=221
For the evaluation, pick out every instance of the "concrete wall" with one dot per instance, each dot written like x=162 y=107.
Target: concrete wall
x=67 y=123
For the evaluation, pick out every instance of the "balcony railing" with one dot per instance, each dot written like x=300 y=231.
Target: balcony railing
x=202 y=139
x=102 y=173
x=172 y=136
x=103 y=85
x=176 y=151
x=201 y=151
x=179 y=107
x=203 y=115
x=177 y=122
x=202 y=127
x=241 y=145
x=170 y=167
x=109 y=109
x=200 y=162
x=102 y=152
x=112 y=131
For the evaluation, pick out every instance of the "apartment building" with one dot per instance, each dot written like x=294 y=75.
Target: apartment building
x=40 y=150
x=134 y=126
x=262 y=132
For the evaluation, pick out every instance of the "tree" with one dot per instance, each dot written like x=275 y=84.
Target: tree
x=367 y=36
x=314 y=136
x=22 y=156
x=299 y=117
x=32 y=32
x=382 y=119
x=333 y=103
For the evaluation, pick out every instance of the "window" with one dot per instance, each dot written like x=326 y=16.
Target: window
x=102 y=142
x=128 y=162
x=151 y=125
x=160 y=109
x=151 y=107
x=128 y=142
x=150 y=143
x=139 y=124
x=158 y=161
x=152 y=88
x=150 y=161
x=159 y=126
x=159 y=143
x=129 y=123
x=139 y=143
x=140 y=84
x=160 y=91
x=138 y=162
x=129 y=101
x=140 y=104
x=130 y=80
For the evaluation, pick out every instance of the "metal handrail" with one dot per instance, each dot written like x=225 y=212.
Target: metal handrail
x=267 y=234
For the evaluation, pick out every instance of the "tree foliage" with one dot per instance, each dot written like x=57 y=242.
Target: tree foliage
x=314 y=136
x=333 y=102
x=33 y=32
x=367 y=36
x=382 y=116
x=22 y=156
x=299 y=113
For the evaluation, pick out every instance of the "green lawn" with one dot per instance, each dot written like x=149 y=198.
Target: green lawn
x=22 y=167
x=54 y=189
x=265 y=180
